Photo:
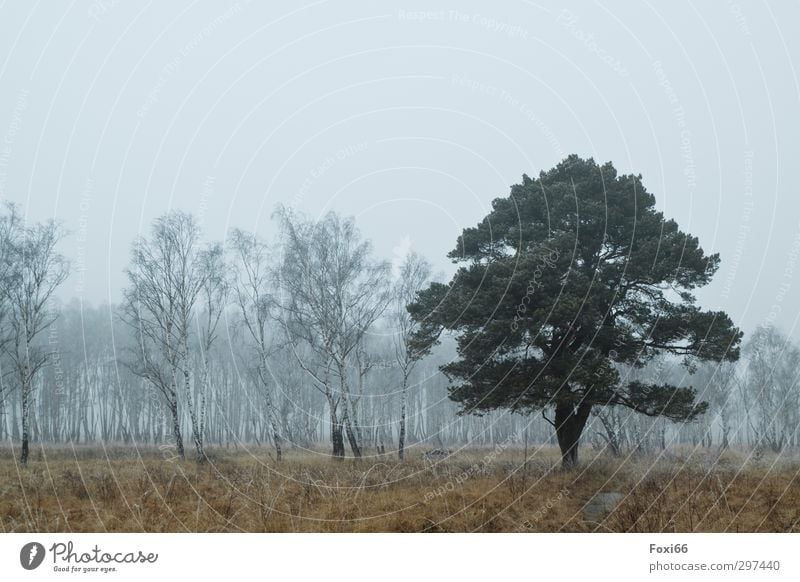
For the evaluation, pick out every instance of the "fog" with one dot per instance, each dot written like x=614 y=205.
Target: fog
x=113 y=112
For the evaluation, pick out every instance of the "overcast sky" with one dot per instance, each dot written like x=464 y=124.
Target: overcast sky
x=413 y=119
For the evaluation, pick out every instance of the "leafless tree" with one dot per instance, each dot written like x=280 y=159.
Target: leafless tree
x=32 y=270
x=332 y=291
x=255 y=299
x=716 y=383
x=771 y=382
x=170 y=275
x=613 y=434
x=213 y=297
x=413 y=276
x=9 y=226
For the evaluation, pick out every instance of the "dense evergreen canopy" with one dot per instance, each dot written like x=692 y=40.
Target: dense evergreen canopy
x=571 y=277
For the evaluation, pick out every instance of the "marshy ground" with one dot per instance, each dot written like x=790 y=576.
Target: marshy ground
x=124 y=490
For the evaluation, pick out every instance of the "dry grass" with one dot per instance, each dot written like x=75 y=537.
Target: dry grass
x=87 y=490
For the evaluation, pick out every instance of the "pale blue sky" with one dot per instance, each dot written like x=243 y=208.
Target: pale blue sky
x=411 y=118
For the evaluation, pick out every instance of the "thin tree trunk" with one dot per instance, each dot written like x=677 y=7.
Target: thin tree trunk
x=401 y=444
x=271 y=415
x=25 y=389
x=176 y=430
x=276 y=433
x=337 y=438
x=276 y=437
x=338 y=441
x=197 y=431
x=351 y=436
x=3 y=421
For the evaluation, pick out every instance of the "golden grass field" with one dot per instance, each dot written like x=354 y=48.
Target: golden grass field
x=122 y=490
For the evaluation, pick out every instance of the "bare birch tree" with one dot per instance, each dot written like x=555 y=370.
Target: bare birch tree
x=32 y=271
x=213 y=297
x=169 y=275
x=332 y=292
x=256 y=303
x=413 y=276
x=773 y=385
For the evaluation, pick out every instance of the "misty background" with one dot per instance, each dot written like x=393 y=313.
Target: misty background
x=411 y=118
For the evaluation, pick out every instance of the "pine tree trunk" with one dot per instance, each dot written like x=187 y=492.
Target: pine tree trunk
x=569 y=423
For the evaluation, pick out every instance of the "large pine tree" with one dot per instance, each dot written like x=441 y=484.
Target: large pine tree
x=571 y=276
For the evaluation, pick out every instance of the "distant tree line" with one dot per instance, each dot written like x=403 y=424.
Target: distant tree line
x=571 y=317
